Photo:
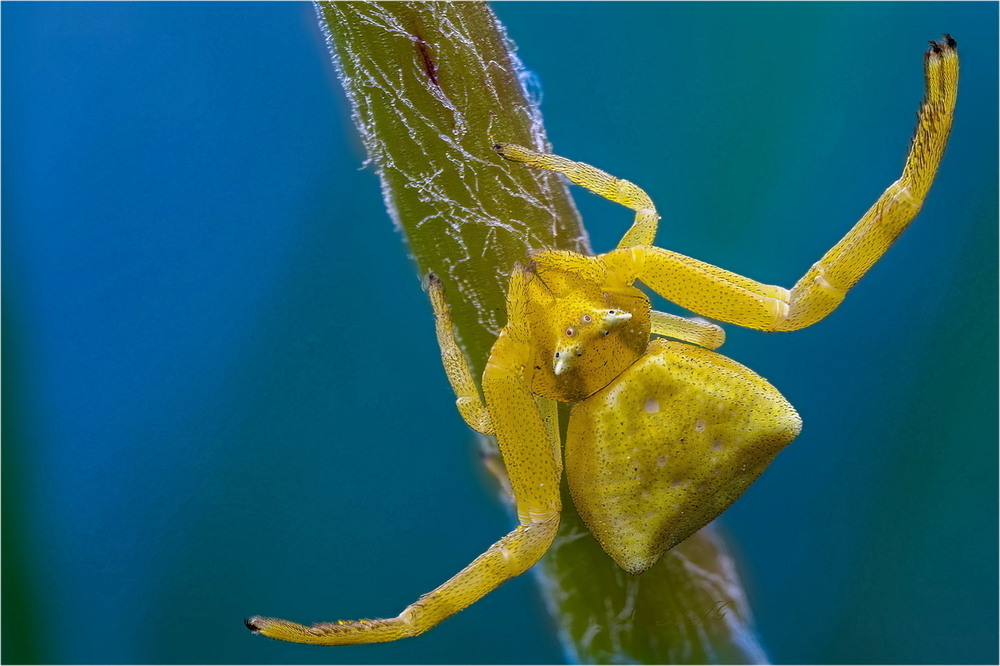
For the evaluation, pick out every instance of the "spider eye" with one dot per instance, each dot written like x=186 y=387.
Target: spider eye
x=611 y=312
x=569 y=332
x=557 y=354
x=607 y=332
x=587 y=319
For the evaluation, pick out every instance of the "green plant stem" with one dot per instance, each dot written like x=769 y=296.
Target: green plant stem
x=432 y=87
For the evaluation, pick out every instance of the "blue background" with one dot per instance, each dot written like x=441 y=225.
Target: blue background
x=222 y=394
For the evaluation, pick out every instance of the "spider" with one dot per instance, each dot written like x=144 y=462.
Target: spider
x=663 y=434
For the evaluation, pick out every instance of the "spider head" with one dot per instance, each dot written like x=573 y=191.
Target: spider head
x=591 y=326
x=584 y=330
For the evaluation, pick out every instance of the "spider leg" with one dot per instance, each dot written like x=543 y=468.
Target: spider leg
x=702 y=333
x=822 y=288
x=726 y=296
x=520 y=424
x=469 y=404
x=620 y=191
x=509 y=557
x=524 y=430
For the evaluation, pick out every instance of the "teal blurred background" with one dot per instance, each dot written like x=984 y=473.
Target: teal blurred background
x=222 y=389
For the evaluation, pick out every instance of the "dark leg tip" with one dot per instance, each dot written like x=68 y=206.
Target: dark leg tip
x=251 y=623
x=947 y=43
x=432 y=283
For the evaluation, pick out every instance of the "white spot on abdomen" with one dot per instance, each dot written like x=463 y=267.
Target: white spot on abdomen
x=652 y=406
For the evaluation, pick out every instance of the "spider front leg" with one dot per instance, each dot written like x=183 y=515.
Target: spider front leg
x=628 y=194
x=723 y=295
x=525 y=433
x=511 y=556
x=727 y=296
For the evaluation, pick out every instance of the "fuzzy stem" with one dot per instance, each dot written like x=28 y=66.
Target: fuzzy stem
x=433 y=86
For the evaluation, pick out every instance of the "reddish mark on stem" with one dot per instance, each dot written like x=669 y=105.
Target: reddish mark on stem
x=429 y=65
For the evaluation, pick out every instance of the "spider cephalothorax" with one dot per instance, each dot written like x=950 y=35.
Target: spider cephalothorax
x=585 y=333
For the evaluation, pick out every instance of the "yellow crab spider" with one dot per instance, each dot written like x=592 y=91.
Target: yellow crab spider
x=663 y=435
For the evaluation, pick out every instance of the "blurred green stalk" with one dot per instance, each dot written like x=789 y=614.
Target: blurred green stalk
x=24 y=637
x=433 y=86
